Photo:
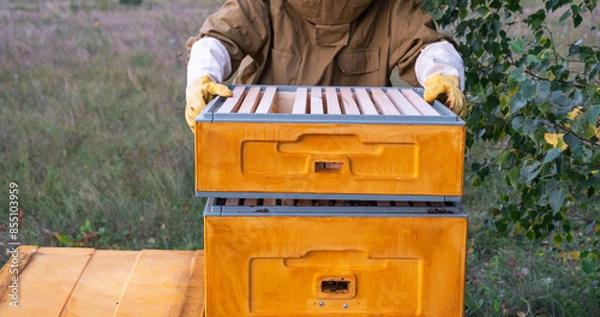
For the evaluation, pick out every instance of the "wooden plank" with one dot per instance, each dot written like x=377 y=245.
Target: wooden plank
x=300 y=101
x=348 y=102
x=287 y=202
x=383 y=203
x=16 y=263
x=384 y=103
x=305 y=202
x=233 y=103
x=267 y=102
x=45 y=285
x=403 y=105
x=84 y=282
x=316 y=100
x=333 y=103
x=156 y=284
x=101 y=284
x=232 y=202
x=194 y=294
x=250 y=101
x=323 y=202
x=269 y=201
x=419 y=103
x=402 y=203
x=364 y=102
x=250 y=201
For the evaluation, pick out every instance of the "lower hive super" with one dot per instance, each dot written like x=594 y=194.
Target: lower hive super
x=316 y=257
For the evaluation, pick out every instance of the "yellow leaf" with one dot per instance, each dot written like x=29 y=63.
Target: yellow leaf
x=576 y=112
x=556 y=140
x=597 y=132
x=575 y=255
x=519 y=227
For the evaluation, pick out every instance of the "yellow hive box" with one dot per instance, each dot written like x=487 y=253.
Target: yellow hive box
x=327 y=258
x=297 y=141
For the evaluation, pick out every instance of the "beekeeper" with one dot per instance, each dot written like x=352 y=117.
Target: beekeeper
x=321 y=42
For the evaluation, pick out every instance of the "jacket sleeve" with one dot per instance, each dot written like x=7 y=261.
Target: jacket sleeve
x=208 y=57
x=242 y=27
x=411 y=30
x=439 y=58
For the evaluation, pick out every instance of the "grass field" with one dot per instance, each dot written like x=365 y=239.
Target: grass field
x=92 y=132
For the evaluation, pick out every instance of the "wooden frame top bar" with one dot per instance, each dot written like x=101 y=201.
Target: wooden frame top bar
x=387 y=101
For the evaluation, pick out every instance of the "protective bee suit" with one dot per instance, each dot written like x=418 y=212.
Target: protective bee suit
x=317 y=42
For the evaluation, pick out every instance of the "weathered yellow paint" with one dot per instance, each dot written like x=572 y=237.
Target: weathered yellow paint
x=88 y=282
x=377 y=159
x=276 y=265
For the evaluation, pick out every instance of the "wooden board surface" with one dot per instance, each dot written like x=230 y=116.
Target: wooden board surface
x=88 y=282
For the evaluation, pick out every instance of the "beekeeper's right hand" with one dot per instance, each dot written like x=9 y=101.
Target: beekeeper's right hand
x=208 y=65
x=200 y=93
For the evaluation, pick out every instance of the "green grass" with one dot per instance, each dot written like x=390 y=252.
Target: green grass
x=92 y=131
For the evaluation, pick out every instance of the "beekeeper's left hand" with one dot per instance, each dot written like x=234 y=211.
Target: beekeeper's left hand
x=446 y=89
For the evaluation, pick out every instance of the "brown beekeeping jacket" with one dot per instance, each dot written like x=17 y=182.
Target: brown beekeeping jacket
x=284 y=48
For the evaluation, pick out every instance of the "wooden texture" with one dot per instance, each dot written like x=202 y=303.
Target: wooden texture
x=403 y=105
x=270 y=202
x=364 y=102
x=350 y=106
x=250 y=101
x=300 y=101
x=232 y=202
x=384 y=103
x=316 y=100
x=333 y=103
x=423 y=107
x=88 y=282
x=267 y=102
x=47 y=282
x=250 y=202
x=232 y=104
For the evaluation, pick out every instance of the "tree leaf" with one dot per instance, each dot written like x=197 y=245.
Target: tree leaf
x=557 y=198
x=556 y=140
x=531 y=171
x=588 y=265
x=552 y=155
x=513 y=178
x=518 y=46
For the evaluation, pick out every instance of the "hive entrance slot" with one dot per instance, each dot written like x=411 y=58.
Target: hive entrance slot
x=328 y=166
x=335 y=286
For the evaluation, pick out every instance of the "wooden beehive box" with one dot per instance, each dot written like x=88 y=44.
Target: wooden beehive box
x=340 y=142
x=274 y=257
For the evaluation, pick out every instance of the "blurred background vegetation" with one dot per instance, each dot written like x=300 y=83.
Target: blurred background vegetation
x=92 y=131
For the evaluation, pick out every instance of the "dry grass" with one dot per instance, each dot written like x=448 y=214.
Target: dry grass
x=91 y=122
